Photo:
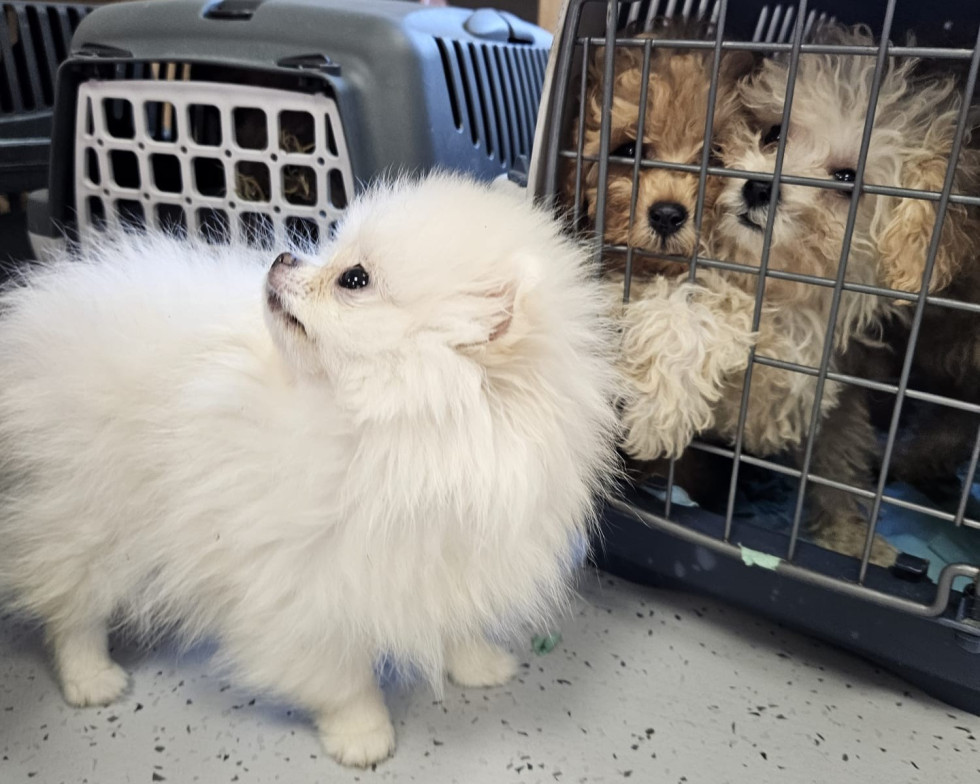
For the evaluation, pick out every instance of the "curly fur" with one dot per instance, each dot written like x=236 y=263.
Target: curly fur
x=673 y=130
x=935 y=441
x=674 y=349
x=680 y=344
x=828 y=114
x=313 y=475
x=910 y=141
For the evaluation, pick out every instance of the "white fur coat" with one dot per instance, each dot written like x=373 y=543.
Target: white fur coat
x=311 y=470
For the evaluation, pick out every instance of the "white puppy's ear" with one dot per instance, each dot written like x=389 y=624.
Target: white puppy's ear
x=489 y=317
x=499 y=314
x=497 y=311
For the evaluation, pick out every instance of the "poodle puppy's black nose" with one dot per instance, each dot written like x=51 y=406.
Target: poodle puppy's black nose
x=667 y=217
x=286 y=260
x=756 y=194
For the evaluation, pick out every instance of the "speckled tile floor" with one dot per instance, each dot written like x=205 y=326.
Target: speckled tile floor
x=647 y=685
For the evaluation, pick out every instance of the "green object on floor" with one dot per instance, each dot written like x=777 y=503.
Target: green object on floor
x=755 y=558
x=543 y=644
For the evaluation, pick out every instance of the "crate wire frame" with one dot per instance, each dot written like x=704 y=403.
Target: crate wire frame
x=219 y=213
x=780 y=30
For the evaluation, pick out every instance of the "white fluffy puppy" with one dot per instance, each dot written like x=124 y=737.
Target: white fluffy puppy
x=392 y=451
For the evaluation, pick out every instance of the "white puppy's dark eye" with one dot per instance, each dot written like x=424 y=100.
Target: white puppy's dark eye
x=773 y=134
x=844 y=175
x=626 y=150
x=355 y=277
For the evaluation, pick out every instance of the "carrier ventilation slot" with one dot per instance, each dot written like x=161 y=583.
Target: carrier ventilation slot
x=775 y=23
x=218 y=161
x=34 y=40
x=494 y=91
x=643 y=12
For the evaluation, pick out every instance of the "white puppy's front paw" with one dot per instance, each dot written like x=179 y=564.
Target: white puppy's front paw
x=479 y=664
x=95 y=687
x=357 y=745
x=360 y=734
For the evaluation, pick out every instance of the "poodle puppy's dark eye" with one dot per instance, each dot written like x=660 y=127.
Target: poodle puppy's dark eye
x=355 y=277
x=626 y=150
x=773 y=134
x=844 y=175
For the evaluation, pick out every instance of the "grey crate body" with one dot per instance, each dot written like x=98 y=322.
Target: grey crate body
x=413 y=87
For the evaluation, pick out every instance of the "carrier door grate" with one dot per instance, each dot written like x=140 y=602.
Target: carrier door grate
x=219 y=161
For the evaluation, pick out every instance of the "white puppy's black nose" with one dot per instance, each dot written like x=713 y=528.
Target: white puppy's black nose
x=666 y=217
x=286 y=260
x=756 y=194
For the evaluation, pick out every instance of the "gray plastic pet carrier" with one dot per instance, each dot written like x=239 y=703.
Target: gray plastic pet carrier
x=921 y=617
x=34 y=39
x=260 y=119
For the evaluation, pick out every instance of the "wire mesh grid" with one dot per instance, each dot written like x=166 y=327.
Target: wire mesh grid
x=782 y=31
x=220 y=161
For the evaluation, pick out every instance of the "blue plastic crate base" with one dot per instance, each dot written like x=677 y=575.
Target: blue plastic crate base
x=939 y=654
